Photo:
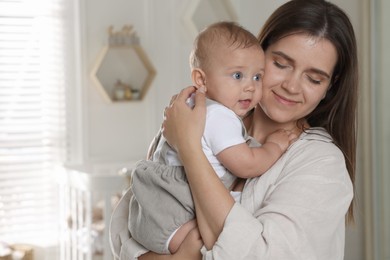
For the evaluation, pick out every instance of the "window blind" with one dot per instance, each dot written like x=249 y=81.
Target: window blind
x=33 y=136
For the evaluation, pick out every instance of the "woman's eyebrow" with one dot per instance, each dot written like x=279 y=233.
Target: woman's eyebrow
x=321 y=72
x=291 y=60
x=283 y=55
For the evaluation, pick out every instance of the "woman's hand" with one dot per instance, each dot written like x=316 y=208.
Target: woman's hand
x=183 y=126
x=189 y=249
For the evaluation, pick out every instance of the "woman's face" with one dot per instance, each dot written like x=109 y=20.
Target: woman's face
x=298 y=70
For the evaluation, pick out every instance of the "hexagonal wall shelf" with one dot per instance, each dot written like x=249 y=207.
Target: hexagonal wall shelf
x=122 y=71
x=202 y=13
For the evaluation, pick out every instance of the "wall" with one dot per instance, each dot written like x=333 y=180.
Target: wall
x=122 y=132
x=377 y=175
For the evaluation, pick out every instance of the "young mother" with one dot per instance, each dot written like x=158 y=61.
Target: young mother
x=299 y=208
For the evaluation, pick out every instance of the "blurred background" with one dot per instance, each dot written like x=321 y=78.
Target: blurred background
x=82 y=88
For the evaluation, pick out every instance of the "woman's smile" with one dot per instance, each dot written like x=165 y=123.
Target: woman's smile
x=284 y=100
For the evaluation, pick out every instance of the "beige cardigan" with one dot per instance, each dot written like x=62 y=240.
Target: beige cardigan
x=294 y=211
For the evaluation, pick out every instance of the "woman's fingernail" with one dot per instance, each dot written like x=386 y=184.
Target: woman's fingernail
x=202 y=89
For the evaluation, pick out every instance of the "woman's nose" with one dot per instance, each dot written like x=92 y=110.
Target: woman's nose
x=291 y=84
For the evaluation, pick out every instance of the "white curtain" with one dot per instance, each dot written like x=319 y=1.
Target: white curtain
x=34 y=62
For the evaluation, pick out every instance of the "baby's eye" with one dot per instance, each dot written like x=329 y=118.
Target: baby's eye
x=257 y=77
x=237 y=75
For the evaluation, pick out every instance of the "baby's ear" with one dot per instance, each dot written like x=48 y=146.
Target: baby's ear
x=198 y=77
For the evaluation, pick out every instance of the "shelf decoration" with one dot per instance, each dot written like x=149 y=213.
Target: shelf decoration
x=123 y=71
x=201 y=13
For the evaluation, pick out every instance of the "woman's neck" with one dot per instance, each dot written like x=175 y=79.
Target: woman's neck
x=259 y=125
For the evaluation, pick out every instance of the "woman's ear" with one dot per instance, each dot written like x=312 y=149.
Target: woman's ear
x=198 y=77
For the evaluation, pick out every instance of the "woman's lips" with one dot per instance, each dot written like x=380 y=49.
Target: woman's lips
x=284 y=100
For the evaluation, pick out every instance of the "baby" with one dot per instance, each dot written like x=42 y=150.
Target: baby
x=228 y=62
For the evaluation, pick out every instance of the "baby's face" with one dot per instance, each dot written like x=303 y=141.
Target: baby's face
x=234 y=77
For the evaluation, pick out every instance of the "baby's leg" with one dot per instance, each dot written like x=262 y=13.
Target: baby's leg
x=152 y=221
x=180 y=235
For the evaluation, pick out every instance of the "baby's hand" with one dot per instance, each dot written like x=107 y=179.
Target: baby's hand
x=283 y=138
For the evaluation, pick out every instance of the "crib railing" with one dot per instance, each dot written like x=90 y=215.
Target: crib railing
x=87 y=197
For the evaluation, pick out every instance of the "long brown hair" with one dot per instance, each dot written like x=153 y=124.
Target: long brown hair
x=337 y=111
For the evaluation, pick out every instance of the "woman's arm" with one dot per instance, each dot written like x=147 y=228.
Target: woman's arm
x=295 y=211
x=183 y=128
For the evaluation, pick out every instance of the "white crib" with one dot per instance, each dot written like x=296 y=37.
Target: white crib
x=87 y=196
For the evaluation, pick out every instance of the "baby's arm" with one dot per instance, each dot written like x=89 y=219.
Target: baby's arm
x=246 y=162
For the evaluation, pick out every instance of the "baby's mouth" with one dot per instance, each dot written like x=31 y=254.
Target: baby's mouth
x=245 y=103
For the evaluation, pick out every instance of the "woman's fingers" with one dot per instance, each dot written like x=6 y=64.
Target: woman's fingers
x=200 y=98
x=172 y=100
x=190 y=248
x=185 y=93
x=182 y=124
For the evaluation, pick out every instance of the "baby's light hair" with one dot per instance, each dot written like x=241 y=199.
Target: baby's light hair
x=216 y=34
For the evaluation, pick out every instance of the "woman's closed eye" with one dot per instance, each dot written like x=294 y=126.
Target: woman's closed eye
x=280 y=65
x=314 y=81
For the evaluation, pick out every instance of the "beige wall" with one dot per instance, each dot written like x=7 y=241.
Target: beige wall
x=377 y=123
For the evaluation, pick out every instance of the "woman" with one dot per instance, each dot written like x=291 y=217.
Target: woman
x=298 y=208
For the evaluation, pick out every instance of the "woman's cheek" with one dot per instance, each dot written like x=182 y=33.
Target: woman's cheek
x=272 y=77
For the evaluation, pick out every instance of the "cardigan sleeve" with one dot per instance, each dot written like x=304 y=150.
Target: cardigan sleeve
x=300 y=216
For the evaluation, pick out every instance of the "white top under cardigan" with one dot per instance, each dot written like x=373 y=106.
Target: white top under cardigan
x=294 y=211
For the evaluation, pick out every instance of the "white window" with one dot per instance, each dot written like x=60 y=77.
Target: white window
x=34 y=74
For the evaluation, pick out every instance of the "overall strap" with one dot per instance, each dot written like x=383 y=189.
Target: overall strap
x=161 y=156
x=153 y=145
